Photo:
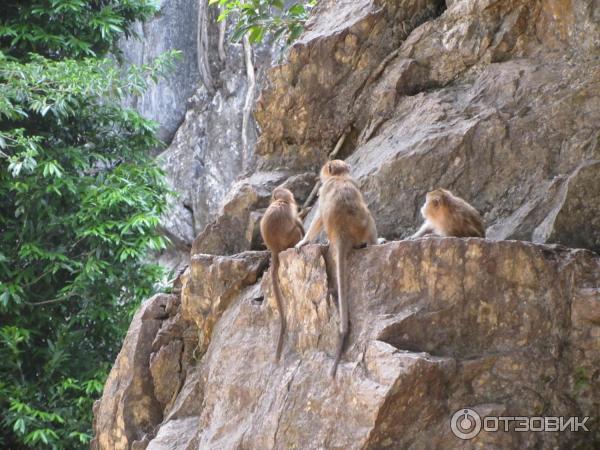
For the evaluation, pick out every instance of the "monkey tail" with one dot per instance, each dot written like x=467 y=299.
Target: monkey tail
x=341 y=255
x=279 y=302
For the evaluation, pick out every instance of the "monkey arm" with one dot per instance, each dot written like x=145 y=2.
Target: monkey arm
x=313 y=231
x=425 y=228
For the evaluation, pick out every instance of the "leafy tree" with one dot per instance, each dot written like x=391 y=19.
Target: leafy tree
x=80 y=201
x=68 y=28
x=261 y=17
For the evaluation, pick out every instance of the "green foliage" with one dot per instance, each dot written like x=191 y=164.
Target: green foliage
x=80 y=201
x=68 y=28
x=261 y=17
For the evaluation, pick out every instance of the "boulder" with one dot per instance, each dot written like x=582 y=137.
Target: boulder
x=144 y=379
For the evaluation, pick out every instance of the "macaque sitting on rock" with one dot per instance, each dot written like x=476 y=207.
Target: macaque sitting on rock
x=448 y=215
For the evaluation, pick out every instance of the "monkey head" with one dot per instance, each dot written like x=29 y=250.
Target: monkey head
x=334 y=168
x=282 y=195
x=436 y=205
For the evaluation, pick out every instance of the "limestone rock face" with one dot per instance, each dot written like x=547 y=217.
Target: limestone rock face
x=200 y=113
x=438 y=324
x=145 y=385
x=322 y=91
x=496 y=100
x=133 y=408
x=173 y=28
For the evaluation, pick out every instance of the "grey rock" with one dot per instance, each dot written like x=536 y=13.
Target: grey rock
x=200 y=116
x=491 y=144
x=176 y=434
x=206 y=156
x=173 y=28
x=577 y=222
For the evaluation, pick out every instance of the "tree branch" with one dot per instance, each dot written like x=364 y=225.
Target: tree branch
x=202 y=46
x=54 y=300
x=221 y=47
x=251 y=79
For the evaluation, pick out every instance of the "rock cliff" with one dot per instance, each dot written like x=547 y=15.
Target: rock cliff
x=496 y=100
x=173 y=28
x=507 y=328
x=200 y=110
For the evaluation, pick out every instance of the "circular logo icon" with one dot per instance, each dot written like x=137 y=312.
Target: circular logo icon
x=465 y=423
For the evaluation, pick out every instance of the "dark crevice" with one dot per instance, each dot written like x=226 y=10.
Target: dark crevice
x=426 y=15
x=350 y=143
x=441 y=6
x=190 y=209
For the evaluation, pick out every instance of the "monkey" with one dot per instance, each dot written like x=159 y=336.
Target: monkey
x=281 y=229
x=448 y=215
x=348 y=223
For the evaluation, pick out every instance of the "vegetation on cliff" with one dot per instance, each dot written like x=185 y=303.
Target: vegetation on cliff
x=257 y=18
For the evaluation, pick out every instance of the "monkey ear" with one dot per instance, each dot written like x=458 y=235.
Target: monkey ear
x=435 y=202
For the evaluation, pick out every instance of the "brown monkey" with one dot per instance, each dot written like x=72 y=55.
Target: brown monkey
x=348 y=224
x=281 y=229
x=448 y=215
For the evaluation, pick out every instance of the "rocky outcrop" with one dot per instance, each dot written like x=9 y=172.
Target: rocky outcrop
x=506 y=328
x=148 y=377
x=206 y=297
x=498 y=101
